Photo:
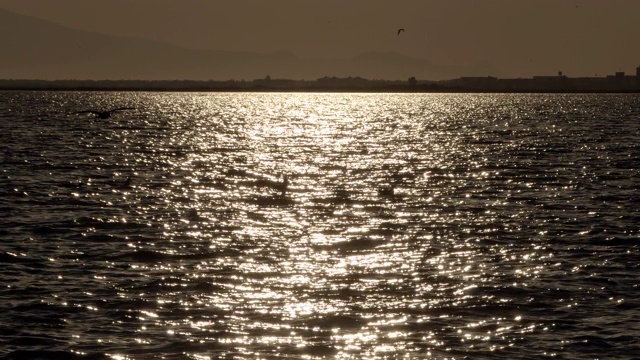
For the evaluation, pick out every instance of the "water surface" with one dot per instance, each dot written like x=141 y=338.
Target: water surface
x=413 y=225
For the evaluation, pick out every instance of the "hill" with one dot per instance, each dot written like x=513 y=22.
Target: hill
x=38 y=49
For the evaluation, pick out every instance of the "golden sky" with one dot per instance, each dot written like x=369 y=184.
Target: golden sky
x=519 y=37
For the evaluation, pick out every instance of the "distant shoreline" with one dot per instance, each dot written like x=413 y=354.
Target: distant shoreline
x=551 y=84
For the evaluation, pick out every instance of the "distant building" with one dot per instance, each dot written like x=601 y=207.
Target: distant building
x=618 y=82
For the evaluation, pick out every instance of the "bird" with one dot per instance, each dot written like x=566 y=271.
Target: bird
x=127 y=183
x=282 y=186
x=192 y=215
x=103 y=114
x=387 y=191
x=400 y=30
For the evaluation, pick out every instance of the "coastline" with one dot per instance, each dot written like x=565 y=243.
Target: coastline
x=556 y=84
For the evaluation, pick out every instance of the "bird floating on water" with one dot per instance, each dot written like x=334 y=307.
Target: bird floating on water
x=103 y=114
x=282 y=186
x=387 y=191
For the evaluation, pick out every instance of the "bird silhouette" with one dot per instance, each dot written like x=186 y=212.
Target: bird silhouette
x=387 y=191
x=103 y=114
x=282 y=186
x=127 y=183
x=400 y=30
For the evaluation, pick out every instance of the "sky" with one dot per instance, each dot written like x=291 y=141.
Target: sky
x=519 y=37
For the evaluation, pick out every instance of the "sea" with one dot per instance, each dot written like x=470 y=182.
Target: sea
x=319 y=226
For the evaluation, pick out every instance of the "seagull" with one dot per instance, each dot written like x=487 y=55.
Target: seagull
x=103 y=114
x=400 y=30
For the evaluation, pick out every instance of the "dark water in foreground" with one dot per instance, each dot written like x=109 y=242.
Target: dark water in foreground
x=417 y=226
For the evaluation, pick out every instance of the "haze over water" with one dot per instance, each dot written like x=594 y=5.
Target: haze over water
x=414 y=225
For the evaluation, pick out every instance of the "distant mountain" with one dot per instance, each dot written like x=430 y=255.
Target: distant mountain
x=33 y=48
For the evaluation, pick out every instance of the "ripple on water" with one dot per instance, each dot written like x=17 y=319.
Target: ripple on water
x=441 y=225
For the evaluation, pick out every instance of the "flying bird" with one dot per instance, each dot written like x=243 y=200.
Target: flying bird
x=103 y=114
x=400 y=30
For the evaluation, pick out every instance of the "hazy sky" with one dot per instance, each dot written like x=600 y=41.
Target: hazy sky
x=520 y=37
